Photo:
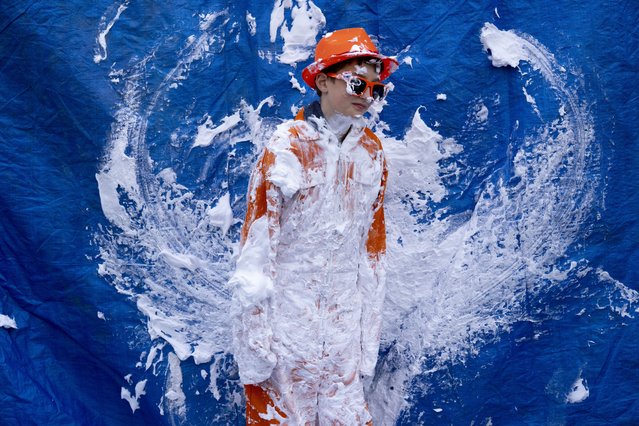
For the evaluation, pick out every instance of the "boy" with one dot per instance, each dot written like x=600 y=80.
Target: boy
x=309 y=283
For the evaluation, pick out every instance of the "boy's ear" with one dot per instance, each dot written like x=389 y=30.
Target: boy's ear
x=320 y=82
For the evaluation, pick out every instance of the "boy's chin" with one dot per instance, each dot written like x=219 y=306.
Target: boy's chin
x=357 y=113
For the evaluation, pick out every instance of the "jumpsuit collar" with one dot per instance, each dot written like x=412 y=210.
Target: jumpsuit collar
x=313 y=114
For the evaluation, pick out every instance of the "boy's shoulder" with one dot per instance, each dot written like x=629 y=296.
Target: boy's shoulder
x=295 y=129
x=371 y=143
x=373 y=138
x=294 y=137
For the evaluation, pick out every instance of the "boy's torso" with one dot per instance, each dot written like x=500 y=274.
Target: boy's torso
x=337 y=184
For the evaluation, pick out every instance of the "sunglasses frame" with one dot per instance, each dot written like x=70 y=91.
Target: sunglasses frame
x=348 y=77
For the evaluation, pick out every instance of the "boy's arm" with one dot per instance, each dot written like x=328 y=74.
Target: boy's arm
x=252 y=282
x=372 y=283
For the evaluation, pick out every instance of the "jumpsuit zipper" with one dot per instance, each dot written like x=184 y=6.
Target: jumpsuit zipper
x=328 y=279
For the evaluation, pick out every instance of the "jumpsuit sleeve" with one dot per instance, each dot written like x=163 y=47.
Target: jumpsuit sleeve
x=252 y=281
x=372 y=282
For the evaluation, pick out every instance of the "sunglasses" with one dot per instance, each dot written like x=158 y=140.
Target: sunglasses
x=356 y=85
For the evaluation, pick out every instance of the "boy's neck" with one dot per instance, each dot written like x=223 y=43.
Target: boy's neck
x=339 y=124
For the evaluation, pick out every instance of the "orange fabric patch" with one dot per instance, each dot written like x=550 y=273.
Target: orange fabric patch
x=257 y=402
x=256 y=203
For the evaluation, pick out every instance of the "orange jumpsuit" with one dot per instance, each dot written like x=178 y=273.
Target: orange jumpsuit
x=309 y=284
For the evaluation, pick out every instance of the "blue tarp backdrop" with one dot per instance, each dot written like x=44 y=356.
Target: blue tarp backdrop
x=127 y=133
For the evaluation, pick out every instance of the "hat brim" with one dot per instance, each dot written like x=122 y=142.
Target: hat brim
x=310 y=72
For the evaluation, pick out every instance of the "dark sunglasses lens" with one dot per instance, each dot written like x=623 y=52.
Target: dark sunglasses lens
x=358 y=86
x=379 y=91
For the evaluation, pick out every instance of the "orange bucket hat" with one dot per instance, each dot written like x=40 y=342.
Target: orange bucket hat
x=342 y=45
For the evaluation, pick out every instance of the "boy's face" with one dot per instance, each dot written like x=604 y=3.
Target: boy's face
x=336 y=100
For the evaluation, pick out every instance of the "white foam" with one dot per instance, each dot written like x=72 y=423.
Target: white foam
x=118 y=173
x=481 y=114
x=101 y=53
x=134 y=398
x=207 y=19
x=7 y=322
x=194 y=261
x=207 y=132
x=361 y=70
x=579 y=392
x=296 y=84
x=623 y=300
x=459 y=280
x=413 y=162
x=174 y=394
x=251 y=276
x=155 y=355
x=221 y=215
x=209 y=41
x=182 y=258
x=505 y=48
x=213 y=373
x=287 y=173
x=252 y=24
x=531 y=100
x=300 y=37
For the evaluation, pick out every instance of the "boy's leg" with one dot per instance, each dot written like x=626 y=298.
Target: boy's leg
x=258 y=404
x=344 y=405
x=296 y=406
x=341 y=398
